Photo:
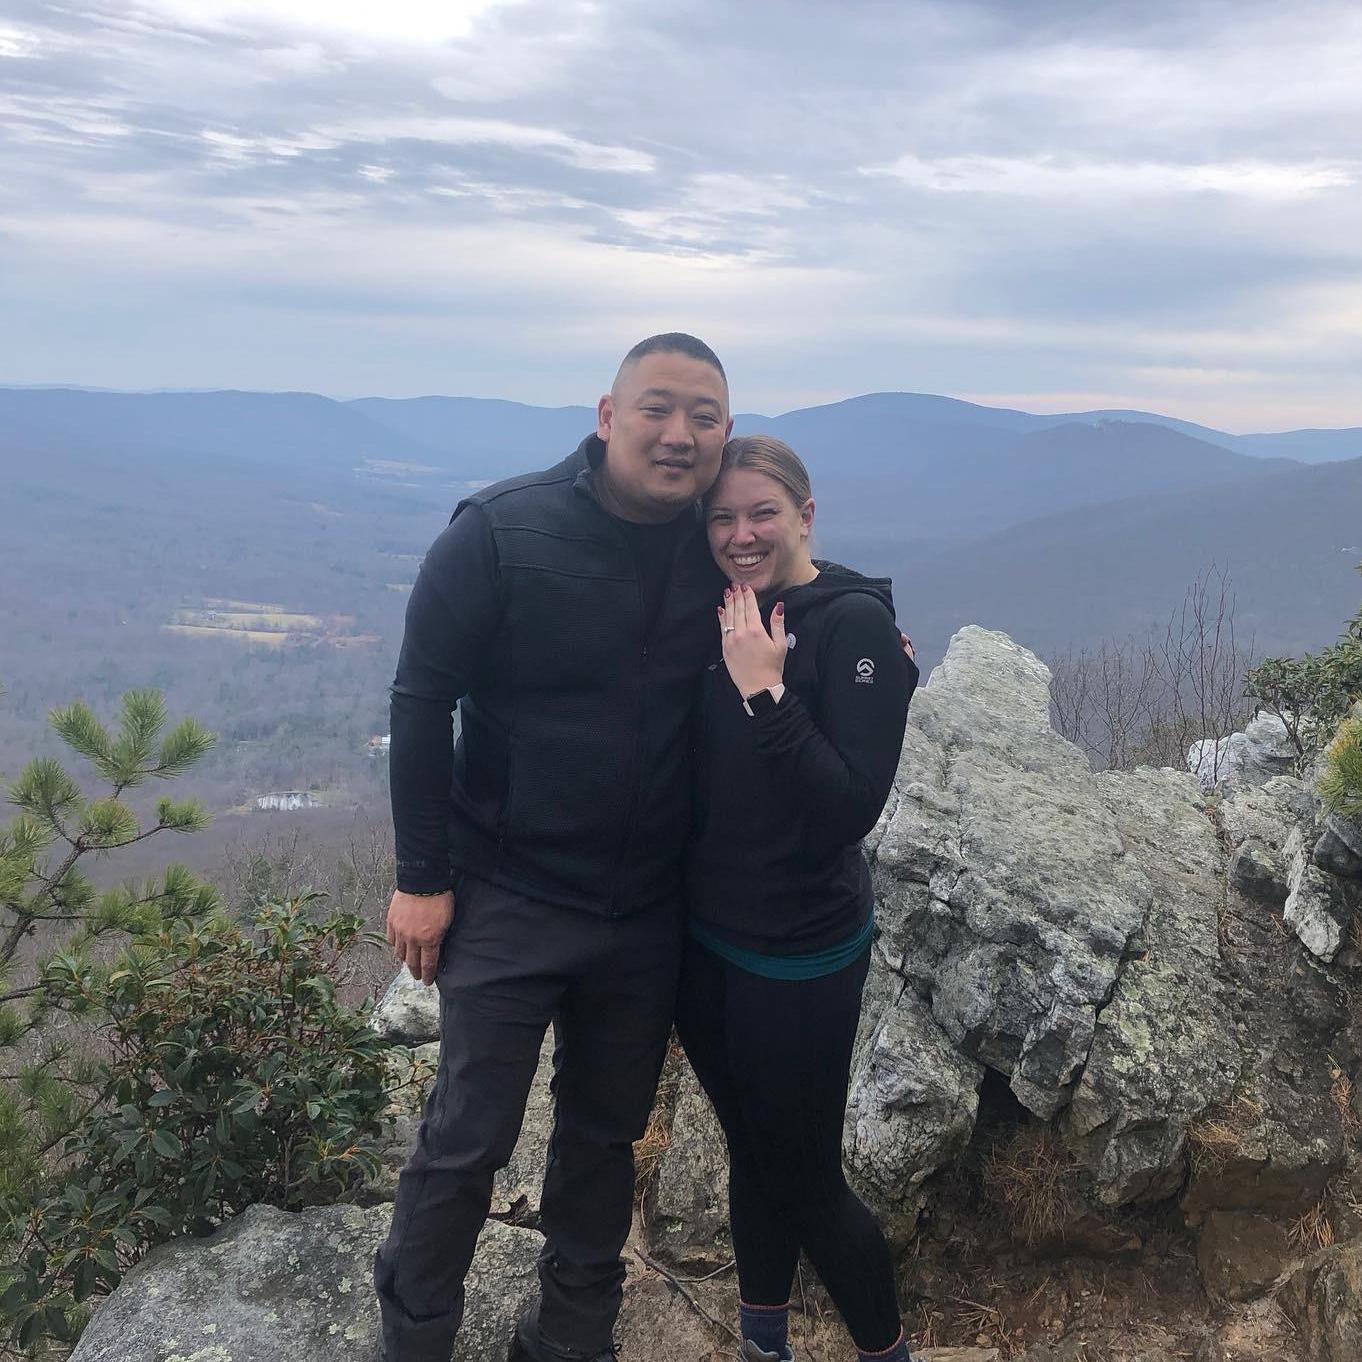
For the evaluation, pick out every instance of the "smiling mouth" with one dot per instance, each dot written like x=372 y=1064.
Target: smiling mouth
x=746 y=560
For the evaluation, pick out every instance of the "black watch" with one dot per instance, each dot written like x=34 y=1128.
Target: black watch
x=763 y=702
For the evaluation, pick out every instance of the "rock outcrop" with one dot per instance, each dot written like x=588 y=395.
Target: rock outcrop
x=271 y=1285
x=1007 y=899
x=1324 y=1299
x=1110 y=945
x=1263 y=750
x=910 y=1112
x=409 y=1012
x=1164 y=1049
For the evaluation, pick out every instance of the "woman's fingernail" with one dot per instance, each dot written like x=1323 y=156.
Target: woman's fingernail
x=780 y=607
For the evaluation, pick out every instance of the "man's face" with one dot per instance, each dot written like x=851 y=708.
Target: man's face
x=664 y=427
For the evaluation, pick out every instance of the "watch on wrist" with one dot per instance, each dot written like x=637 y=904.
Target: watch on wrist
x=763 y=701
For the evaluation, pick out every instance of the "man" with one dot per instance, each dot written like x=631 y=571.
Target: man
x=568 y=613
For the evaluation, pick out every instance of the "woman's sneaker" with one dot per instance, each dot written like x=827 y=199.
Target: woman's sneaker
x=752 y=1353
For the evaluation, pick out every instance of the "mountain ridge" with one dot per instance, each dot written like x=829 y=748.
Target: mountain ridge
x=1306 y=445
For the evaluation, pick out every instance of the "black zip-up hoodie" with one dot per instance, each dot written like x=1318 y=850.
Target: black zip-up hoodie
x=783 y=799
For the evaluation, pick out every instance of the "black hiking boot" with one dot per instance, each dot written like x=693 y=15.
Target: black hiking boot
x=529 y=1345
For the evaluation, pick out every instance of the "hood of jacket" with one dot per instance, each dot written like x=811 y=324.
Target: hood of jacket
x=833 y=580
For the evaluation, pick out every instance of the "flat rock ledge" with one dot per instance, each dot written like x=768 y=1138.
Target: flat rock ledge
x=273 y=1285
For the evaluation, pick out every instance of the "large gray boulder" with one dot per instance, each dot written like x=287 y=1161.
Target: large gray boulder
x=910 y=1112
x=271 y=1285
x=1319 y=906
x=516 y=1188
x=1263 y=750
x=1339 y=849
x=1165 y=1047
x=1087 y=938
x=1006 y=898
x=1257 y=821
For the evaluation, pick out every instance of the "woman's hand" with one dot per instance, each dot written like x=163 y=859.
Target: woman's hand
x=755 y=659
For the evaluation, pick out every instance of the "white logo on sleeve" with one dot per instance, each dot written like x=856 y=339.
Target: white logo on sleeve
x=865 y=672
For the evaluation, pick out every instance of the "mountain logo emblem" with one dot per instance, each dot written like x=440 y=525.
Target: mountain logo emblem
x=865 y=672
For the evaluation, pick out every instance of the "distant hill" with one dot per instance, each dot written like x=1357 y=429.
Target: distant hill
x=301 y=430
x=482 y=437
x=1290 y=543
x=949 y=469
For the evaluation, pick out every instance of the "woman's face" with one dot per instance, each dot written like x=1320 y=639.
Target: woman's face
x=758 y=536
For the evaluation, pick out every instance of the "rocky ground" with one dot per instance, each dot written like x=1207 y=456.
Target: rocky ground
x=1104 y=1099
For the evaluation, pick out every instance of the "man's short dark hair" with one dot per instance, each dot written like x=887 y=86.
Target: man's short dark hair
x=674 y=343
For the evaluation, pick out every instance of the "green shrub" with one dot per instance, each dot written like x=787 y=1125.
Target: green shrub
x=1341 y=784
x=155 y=1087
x=233 y=1075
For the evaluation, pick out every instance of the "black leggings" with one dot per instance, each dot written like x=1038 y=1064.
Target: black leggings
x=774 y=1056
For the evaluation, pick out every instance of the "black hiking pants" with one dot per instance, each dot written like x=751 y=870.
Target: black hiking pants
x=773 y=1055
x=510 y=967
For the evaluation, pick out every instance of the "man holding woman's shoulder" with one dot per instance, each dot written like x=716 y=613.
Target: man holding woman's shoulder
x=571 y=616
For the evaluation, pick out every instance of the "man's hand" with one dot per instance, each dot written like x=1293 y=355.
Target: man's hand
x=417 y=924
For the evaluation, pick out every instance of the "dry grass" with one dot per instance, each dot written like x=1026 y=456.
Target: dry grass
x=1031 y=1177
x=1221 y=1135
x=1313 y=1230
x=1341 y=1090
x=1355 y=934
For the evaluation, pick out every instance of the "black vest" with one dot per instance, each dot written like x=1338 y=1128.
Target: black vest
x=572 y=773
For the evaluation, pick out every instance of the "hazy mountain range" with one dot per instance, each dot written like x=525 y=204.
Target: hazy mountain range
x=889 y=465
x=123 y=510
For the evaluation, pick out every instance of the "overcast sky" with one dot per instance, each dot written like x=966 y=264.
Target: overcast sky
x=1052 y=205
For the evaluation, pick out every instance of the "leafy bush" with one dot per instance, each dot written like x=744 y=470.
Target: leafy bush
x=233 y=1076
x=1311 y=694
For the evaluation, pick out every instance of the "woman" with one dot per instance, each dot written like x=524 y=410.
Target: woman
x=801 y=727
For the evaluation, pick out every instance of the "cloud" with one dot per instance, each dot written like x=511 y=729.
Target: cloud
x=17 y=43
x=959 y=197
x=446 y=131
x=1050 y=177
x=395 y=22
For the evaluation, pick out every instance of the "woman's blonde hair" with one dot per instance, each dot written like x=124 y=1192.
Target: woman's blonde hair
x=766 y=454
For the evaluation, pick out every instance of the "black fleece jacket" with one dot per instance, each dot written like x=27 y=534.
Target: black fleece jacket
x=574 y=663
x=784 y=799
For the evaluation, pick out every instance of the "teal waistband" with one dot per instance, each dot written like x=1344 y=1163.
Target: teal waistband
x=813 y=966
